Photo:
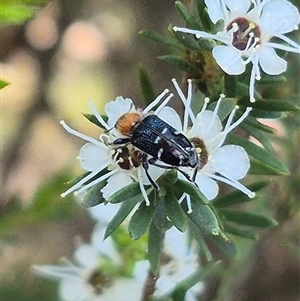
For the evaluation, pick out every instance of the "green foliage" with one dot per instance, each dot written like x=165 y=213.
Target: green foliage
x=3 y=83
x=16 y=12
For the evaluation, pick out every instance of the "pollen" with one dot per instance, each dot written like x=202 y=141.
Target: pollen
x=127 y=122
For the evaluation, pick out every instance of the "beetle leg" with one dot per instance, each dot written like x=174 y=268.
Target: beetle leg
x=121 y=141
x=145 y=164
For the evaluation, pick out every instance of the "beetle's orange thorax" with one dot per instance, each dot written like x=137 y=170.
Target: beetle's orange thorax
x=127 y=122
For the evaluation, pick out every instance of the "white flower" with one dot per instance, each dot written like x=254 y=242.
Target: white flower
x=248 y=29
x=207 y=135
x=123 y=162
x=179 y=261
x=90 y=279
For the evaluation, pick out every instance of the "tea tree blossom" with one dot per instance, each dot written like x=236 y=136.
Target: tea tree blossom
x=246 y=35
x=179 y=261
x=123 y=163
x=94 y=274
x=228 y=163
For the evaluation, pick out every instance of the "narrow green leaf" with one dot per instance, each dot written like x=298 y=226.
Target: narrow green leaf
x=242 y=90
x=117 y=220
x=3 y=83
x=189 y=19
x=174 y=210
x=230 y=85
x=94 y=195
x=267 y=114
x=155 y=246
x=238 y=197
x=272 y=79
x=127 y=192
x=257 y=134
x=160 y=217
x=191 y=189
x=225 y=244
x=185 y=39
x=146 y=86
x=239 y=232
x=92 y=118
x=251 y=121
x=204 y=16
x=154 y=36
x=226 y=106
x=274 y=106
x=247 y=219
x=203 y=217
x=141 y=220
x=180 y=64
x=263 y=156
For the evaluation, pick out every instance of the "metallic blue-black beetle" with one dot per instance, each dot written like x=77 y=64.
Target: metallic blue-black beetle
x=156 y=138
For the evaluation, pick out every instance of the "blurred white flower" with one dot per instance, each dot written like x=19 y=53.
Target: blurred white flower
x=248 y=28
x=231 y=162
x=94 y=275
x=123 y=163
x=179 y=261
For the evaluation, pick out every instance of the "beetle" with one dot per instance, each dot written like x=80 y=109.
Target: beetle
x=158 y=139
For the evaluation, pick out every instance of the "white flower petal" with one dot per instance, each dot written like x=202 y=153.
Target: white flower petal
x=73 y=290
x=200 y=127
x=115 y=183
x=270 y=62
x=92 y=157
x=229 y=59
x=116 y=108
x=215 y=11
x=103 y=213
x=279 y=17
x=231 y=161
x=237 y=7
x=86 y=255
x=104 y=247
x=170 y=116
x=208 y=186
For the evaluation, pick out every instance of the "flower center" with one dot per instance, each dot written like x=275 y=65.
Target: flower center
x=201 y=151
x=127 y=157
x=99 y=281
x=245 y=34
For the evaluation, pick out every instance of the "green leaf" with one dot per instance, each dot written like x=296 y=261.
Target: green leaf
x=191 y=189
x=141 y=220
x=146 y=86
x=174 y=210
x=127 y=192
x=203 y=217
x=266 y=159
x=155 y=246
x=225 y=244
x=180 y=64
x=251 y=121
x=226 y=106
x=160 y=216
x=92 y=118
x=204 y=16
x=257 y=134
x=238 y=197
x=94 y=195
x=14 y=14
x=239 y=232
x=189 y=19
x=230 y=85
x=242 y=90
x=267 y=114
x=3 y=83
x=117 y=220
x=272 y=79
x=187 y=40
x=274 y=106
x=247 y=219
x=157 y=37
